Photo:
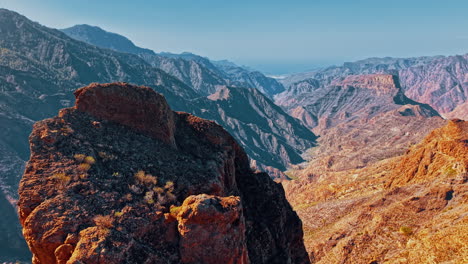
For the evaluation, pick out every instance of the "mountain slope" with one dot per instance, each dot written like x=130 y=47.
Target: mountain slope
x=272 y=145
x=438 y=81
x=104 y=39
x=258 y=124
x=200 y=73
x=361 y=120
x=406 y=209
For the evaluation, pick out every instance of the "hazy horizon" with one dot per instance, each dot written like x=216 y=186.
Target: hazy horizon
x=276 y=38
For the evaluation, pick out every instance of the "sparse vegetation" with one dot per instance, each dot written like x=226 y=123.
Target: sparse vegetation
x=405 y=230
x=105 y=221
x=158 y=190
x=84 y=167
x=145 y=179
x=174 y=211
x=79 y=157
x=90 y=160
x=450 y=171
x=118 y=214
x=62 y=178
x=149 y=197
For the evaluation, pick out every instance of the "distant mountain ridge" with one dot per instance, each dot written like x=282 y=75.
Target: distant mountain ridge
x=39 y=69
x=104 y=39
x=203 y=75
x=440 y=81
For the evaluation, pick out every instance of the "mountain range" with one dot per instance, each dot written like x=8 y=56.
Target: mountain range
x=42 y=66
x=440 y=81
x=351 y=144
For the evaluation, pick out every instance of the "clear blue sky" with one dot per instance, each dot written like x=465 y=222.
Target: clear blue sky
x=275 y=36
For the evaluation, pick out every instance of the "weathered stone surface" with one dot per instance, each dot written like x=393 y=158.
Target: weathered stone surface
x=143 y=109
x=103 y=190
x=212 y=224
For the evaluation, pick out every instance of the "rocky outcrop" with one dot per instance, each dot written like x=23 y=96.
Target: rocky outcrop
x=215 y=225
x=406 y=209
x=102 y=188
x=113 y=103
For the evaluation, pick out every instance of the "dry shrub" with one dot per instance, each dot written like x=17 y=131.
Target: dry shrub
x=145 y=179
x=90 y=160
x=84 y=167
x=79 y=157
x=62 y=178
x=105 y=221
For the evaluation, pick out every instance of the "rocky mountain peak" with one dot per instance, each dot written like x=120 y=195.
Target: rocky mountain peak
x=140 y=108
x=222 y=94
x=121 y=178
x=379 y=82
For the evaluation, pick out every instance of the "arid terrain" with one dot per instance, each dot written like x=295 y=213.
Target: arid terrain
x=114 y=153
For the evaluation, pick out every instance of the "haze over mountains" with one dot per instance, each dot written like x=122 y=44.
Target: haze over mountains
x=441 y=82
x=347 y=126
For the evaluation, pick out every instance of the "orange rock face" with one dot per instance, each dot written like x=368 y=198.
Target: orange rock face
x=142 y=109
x=406 y=209
x=212 y=224
x=443 y=151
x=120 y=178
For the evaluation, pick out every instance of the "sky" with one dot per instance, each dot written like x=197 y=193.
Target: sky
x=276 y=37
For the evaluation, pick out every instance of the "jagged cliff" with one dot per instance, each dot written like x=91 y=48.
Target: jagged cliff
x=406 y=209
x=121 y=178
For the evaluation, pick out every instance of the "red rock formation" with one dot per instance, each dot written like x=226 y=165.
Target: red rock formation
x=114 y=103
x=103 y=187
x=212 y=224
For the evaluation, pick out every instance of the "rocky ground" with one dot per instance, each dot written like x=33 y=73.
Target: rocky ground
x=407 y=209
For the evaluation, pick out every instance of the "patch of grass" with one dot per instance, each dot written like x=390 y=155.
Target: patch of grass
x=90 y=160
x=118 y=214
x=450 y=171
x=405 y=230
